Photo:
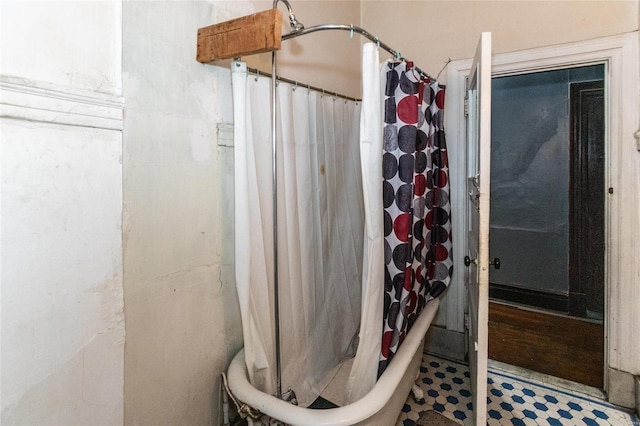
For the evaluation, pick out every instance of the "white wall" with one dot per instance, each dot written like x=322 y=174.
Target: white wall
x=61 y=119
x=443 y=30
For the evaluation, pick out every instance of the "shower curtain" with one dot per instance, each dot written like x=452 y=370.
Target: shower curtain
x=417 y=226
x=320 y=232
x=364 y=236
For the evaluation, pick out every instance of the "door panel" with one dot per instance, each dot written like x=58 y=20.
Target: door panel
x=587 y=192
x=557 y=345
x=478 y=190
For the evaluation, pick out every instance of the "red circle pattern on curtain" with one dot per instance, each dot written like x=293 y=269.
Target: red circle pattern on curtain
x=417 y=210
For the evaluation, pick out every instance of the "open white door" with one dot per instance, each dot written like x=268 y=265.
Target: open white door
x=478 y=187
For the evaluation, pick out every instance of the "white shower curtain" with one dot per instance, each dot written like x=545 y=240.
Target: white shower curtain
x=320 y=232
x=364 y=371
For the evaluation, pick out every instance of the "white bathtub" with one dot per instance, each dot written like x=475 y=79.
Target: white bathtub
x=381 y=406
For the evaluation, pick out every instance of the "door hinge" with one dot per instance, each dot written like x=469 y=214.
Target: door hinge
x=466 y=321
x=466 y=96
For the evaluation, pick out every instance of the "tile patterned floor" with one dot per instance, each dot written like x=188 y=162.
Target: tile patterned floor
x=511 y=400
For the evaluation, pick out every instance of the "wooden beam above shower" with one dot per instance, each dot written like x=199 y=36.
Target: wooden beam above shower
x=257 y=33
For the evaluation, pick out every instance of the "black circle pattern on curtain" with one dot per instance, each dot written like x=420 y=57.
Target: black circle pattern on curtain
x=417 y=209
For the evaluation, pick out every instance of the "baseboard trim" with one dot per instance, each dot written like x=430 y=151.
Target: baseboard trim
x=622 y=388
x=445 y=344
x=533 y=298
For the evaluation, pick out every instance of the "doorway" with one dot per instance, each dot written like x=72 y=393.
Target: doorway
x=547 y=223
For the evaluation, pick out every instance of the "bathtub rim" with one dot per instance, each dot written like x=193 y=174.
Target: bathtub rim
x=350 y=414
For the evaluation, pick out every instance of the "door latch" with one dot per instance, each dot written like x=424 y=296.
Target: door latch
x=495 y=263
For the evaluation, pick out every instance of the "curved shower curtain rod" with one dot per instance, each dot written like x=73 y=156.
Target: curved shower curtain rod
x=298 y=29
x=355 y=29
x=301 y=30
x=297 y=83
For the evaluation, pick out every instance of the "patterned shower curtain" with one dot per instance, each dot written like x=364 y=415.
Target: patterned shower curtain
x=417 y=224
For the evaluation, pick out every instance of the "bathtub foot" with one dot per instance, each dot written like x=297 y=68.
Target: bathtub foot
x=418 y=393
x=290 y=396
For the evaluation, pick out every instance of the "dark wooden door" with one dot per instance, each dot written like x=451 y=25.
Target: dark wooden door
x=586 y=204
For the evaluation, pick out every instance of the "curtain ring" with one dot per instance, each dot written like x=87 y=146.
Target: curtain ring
x=351 y=32
x=257 y=74
x=295 y=87
x=377 y=40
